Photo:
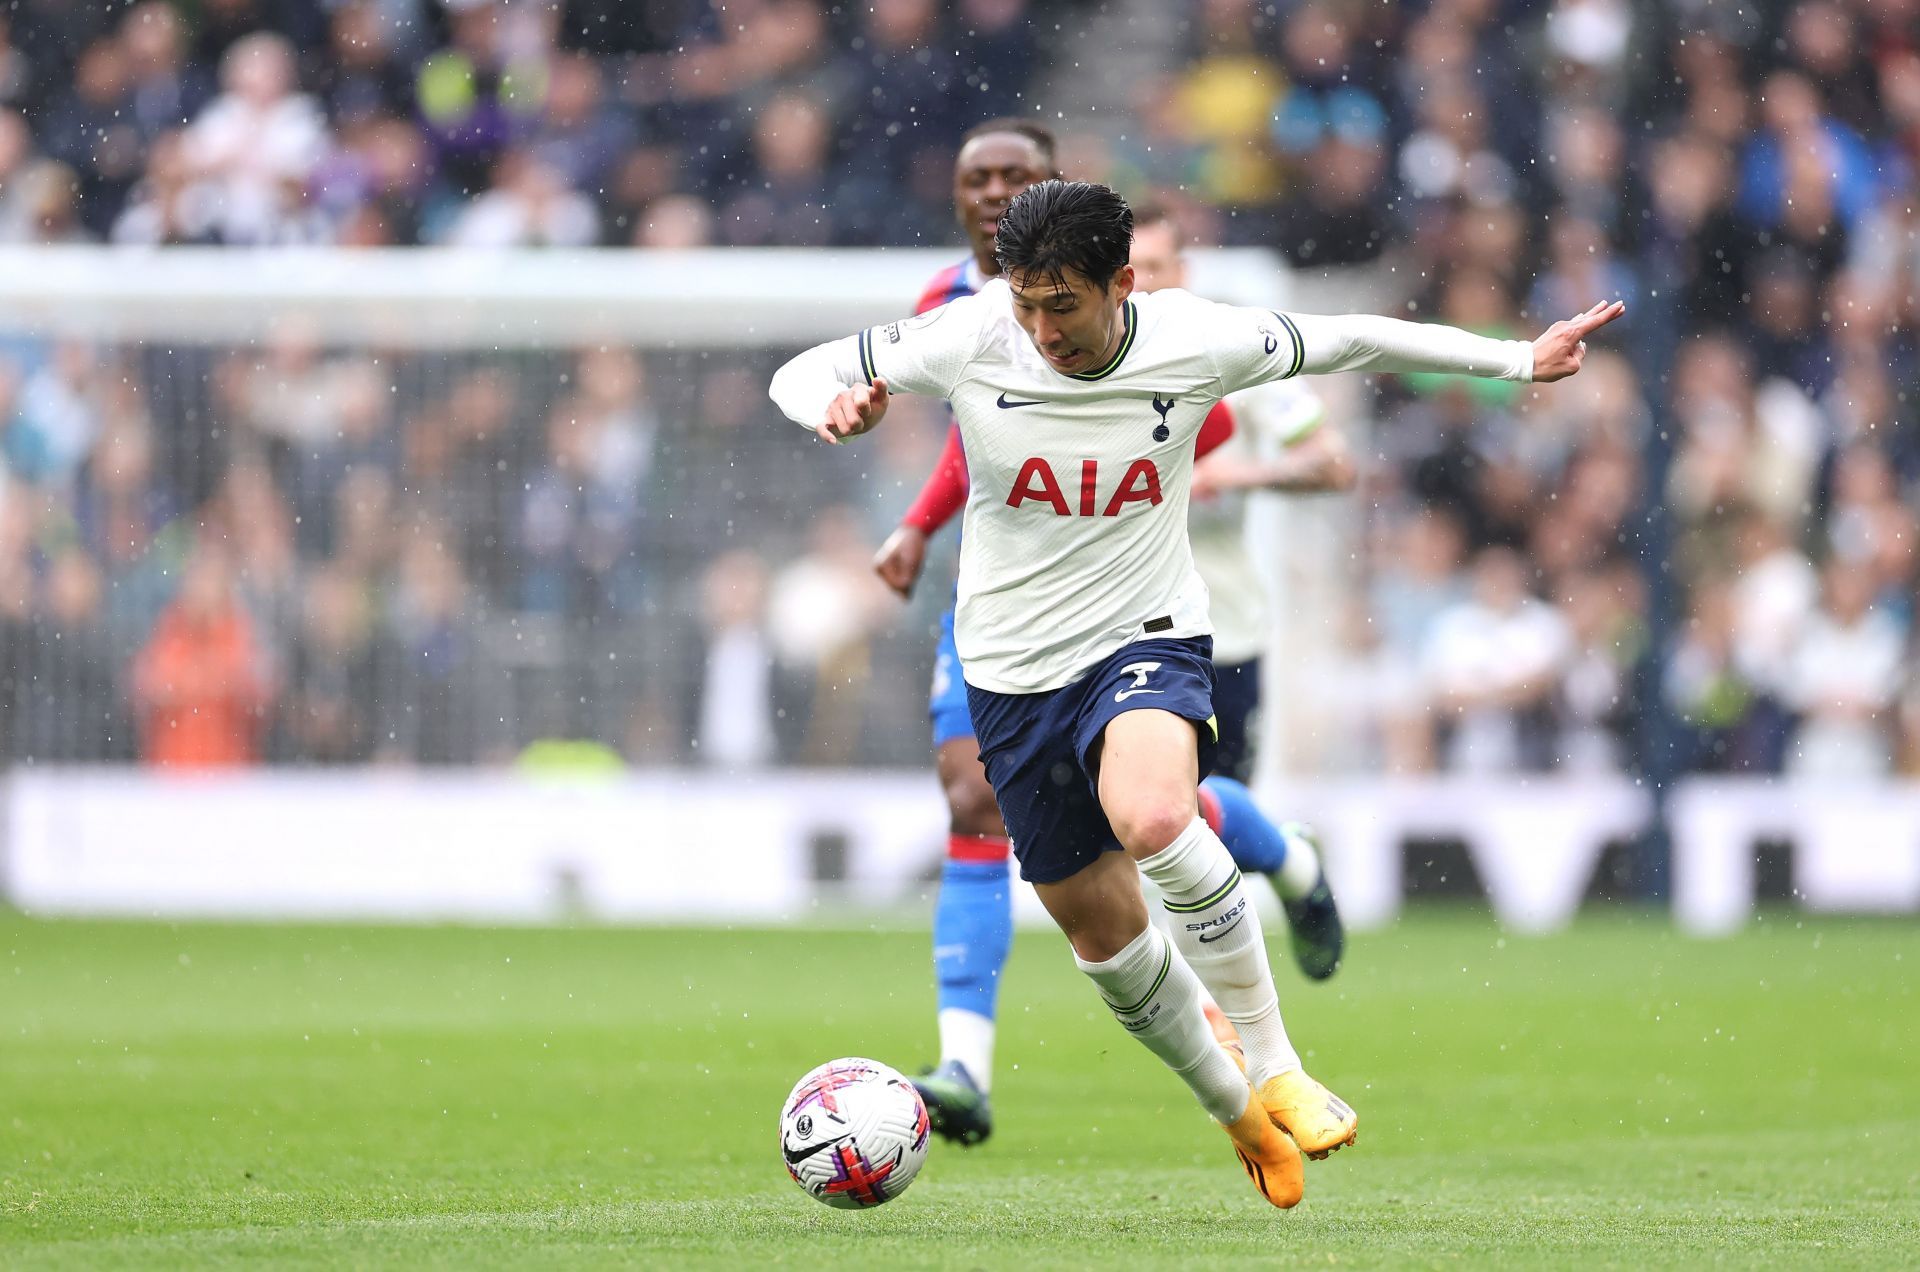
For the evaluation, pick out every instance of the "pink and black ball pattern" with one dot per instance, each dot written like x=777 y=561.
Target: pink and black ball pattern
x=854 y=1133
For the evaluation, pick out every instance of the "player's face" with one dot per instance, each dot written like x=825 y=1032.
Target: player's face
x=990 y=171
x=1075 y=324
x=1157 y=260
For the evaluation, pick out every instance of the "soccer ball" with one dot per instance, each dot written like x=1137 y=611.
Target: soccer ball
x=853 y=1133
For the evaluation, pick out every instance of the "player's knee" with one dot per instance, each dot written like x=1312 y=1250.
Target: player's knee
x=1146 y=825
x=971 y=805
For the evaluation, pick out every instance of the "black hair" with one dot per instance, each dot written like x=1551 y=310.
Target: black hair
x=1058 y=226
x=1039 y=134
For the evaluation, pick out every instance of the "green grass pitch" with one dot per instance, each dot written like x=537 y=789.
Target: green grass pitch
x=202 y=1095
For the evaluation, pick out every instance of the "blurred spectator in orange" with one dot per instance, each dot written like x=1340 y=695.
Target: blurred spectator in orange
x=202 y=683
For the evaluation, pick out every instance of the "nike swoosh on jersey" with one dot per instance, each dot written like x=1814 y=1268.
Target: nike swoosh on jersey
x=1204 y=938
x=1007 y=405
x=1124 y=694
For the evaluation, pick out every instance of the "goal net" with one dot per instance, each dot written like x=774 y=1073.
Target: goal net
x=424 y=507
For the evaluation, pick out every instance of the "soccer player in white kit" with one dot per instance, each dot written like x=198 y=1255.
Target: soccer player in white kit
x=1082 y=626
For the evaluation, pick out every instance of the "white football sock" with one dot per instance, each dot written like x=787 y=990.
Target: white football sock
x=1300 y=871
x=1156 y=998
x=1216 y=929
x=1158 y=916
x=967 y=1036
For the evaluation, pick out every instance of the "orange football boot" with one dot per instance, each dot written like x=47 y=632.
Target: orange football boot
x=1318 y=1120
x=1272 y=1160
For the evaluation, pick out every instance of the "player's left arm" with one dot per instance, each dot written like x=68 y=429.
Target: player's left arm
x=1257 y=346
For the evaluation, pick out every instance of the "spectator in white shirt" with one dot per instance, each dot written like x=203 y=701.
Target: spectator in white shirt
x=258 y=142
x=528 y=206
x=1843 y=677
x=1492 y=665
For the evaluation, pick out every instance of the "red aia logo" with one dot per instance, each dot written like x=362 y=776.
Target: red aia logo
x=1036 y=482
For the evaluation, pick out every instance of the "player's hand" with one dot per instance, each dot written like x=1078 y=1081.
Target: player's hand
x=854 y=411
x=1561 y=349
x=899 y=560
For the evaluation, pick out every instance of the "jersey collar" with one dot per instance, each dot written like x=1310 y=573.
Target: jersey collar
x=1120 y=354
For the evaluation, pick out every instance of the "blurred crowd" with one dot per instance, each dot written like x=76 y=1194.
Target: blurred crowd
x=490 y=124
x=1704 y=547
x=292 y=554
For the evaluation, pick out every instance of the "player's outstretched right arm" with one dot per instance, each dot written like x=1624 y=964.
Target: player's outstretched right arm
x=840 y=389
x=827 y=390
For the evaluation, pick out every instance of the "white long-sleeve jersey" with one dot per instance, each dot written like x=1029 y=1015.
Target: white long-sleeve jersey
x=1074 y=541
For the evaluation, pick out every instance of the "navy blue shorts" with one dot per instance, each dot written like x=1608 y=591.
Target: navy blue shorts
x=1036 y=747
x=1236 y=700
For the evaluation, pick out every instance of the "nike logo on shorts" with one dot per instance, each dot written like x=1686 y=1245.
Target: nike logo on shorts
x=1124 y=694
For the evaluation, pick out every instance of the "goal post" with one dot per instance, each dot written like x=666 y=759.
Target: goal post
x=452 y=299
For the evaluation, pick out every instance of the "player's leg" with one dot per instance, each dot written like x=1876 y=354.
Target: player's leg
x=1067 y=850
x=972 y=916
x=1148 y=766
x=1286 y=854
x=1156 y=997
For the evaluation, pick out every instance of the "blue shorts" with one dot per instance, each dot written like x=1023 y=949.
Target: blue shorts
x=1036 y=747
x=947 y=703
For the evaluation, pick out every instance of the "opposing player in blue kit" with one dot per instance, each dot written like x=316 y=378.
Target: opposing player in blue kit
x=973 y=919
x=1082 y=626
